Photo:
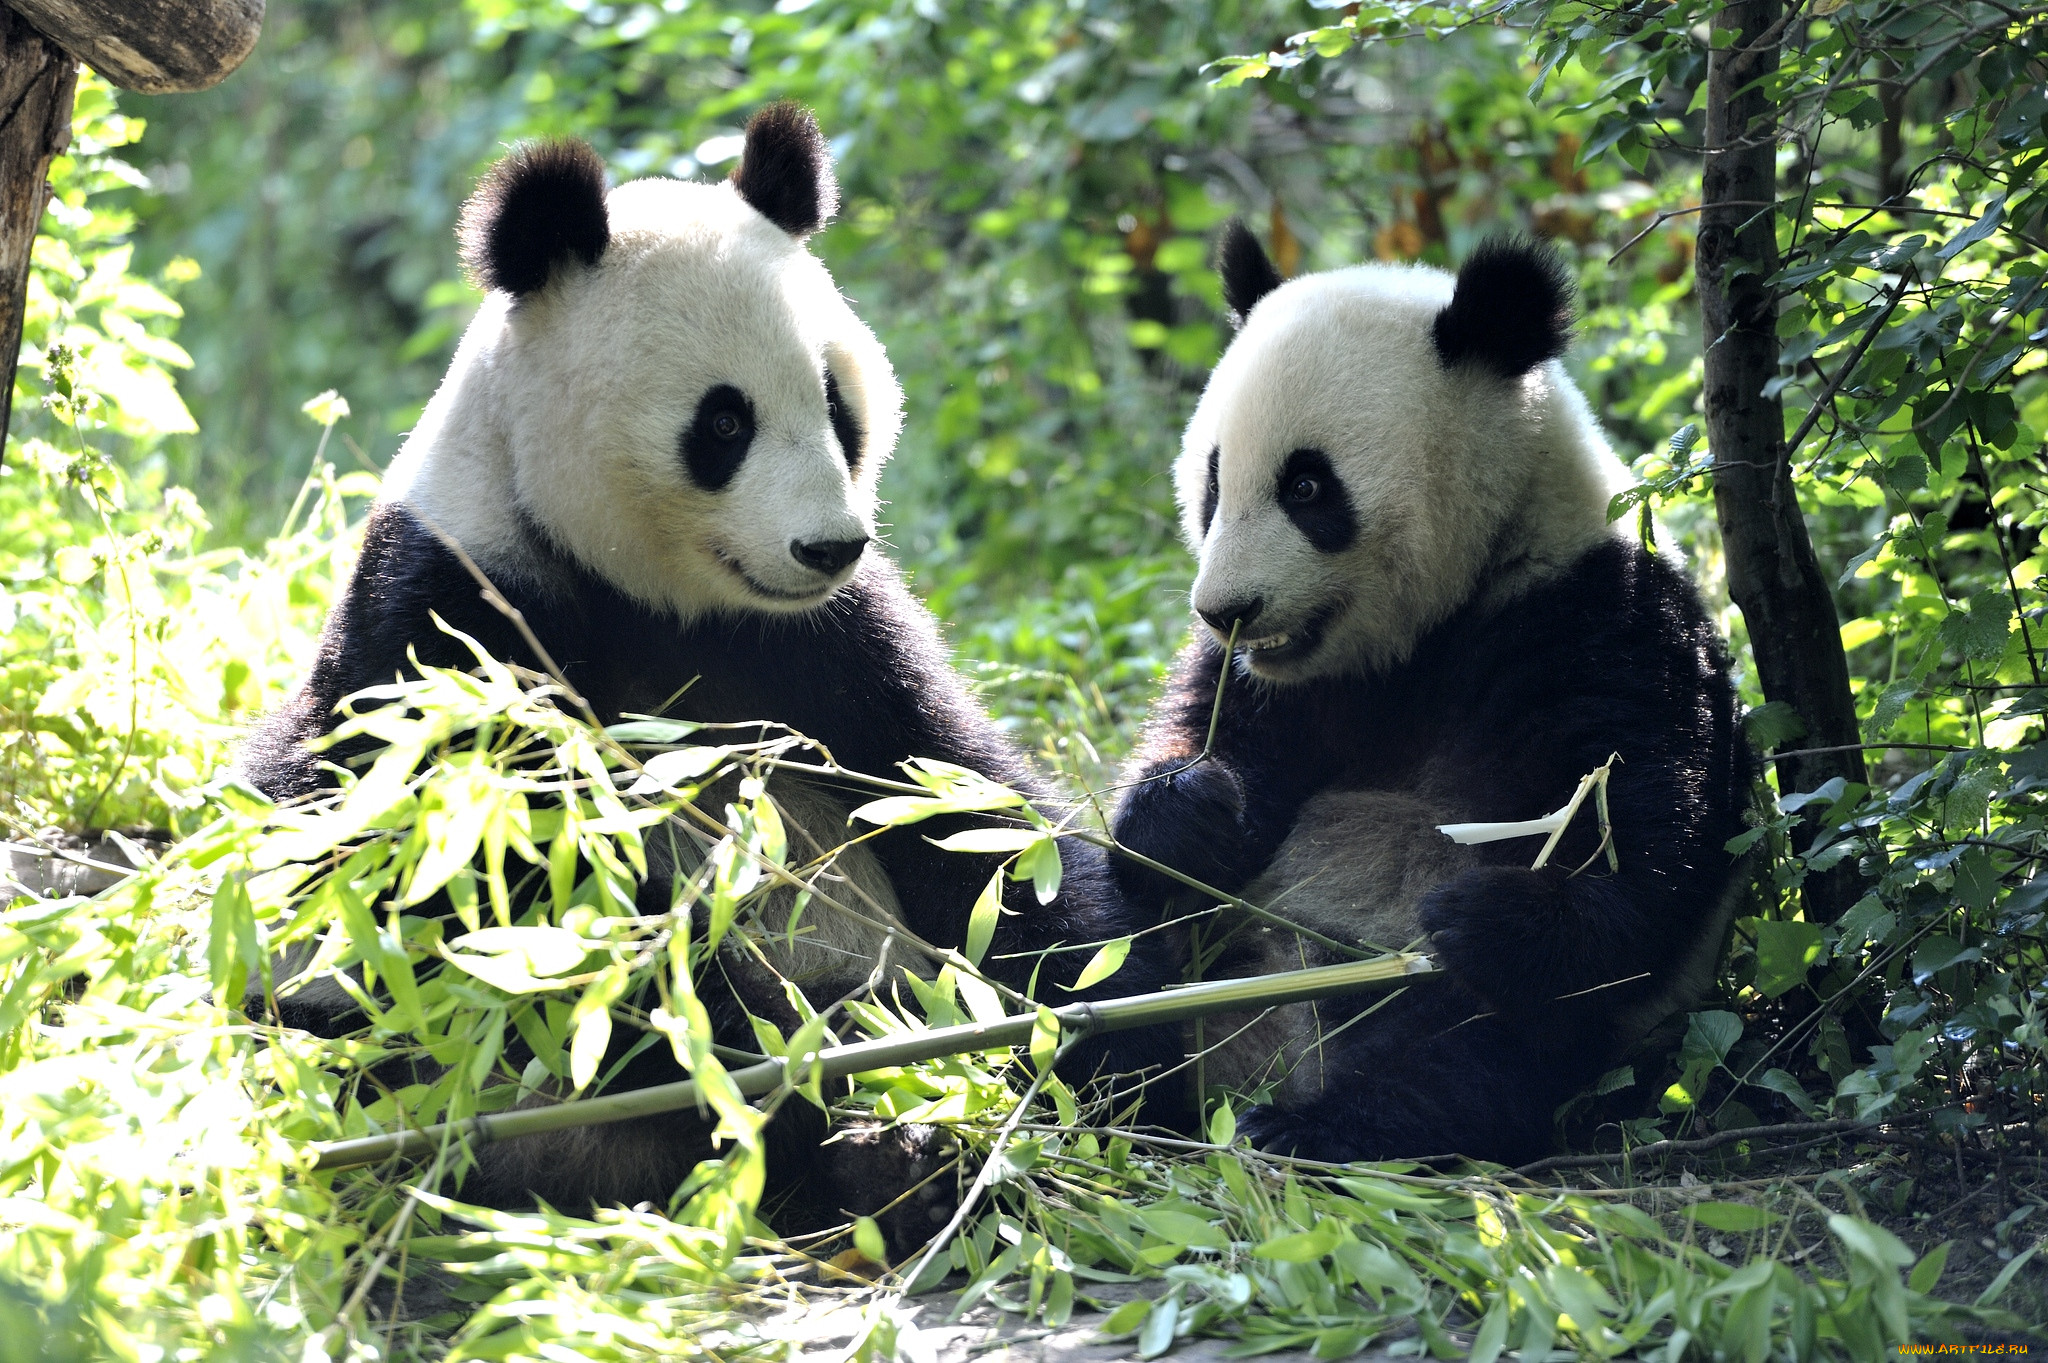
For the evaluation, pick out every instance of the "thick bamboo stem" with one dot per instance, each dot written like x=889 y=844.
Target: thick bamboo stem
x=836 y=1062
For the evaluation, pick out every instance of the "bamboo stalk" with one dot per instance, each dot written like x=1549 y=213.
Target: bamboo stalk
x=836 y=1062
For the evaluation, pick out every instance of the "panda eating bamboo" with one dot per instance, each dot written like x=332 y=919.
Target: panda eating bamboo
x=660 y=439
x=1398 y=500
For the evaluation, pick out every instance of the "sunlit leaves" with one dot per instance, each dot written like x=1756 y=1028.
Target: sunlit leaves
x=981 y=923
x=1107 y=960
x=518 y=960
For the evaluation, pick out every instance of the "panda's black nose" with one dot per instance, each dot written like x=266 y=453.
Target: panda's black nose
x=1241 y=612
x=827 y=556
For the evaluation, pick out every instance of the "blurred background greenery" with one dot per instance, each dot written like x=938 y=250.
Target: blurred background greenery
x=1031 y=193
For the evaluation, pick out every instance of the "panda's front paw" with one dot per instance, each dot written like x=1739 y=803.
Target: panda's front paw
x=1188 y=817
x=1270 y=1129
x=896 y=1174
x=1500 y=931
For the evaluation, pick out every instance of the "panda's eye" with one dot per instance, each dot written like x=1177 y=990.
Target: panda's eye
x=1304 y=489
x=716 y=441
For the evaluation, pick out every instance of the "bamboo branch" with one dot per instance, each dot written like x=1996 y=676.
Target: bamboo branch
x=837 y=1062
x=1693 y=1147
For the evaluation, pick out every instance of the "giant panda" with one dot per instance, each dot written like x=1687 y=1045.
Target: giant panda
x=1398 y=501
x=659 y=439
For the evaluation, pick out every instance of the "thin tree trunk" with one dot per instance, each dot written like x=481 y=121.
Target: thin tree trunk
x=37 y=80
x=1773 y=575
x=1891 y=133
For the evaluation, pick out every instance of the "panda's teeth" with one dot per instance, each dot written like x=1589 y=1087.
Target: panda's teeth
x=1268 y=641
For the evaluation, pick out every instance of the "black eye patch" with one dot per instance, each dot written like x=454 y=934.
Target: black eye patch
x=844 y=424
x=1211 y=489
x=716 y=440
x=1313 y=497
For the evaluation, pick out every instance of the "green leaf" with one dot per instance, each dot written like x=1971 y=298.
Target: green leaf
x=1772 y=724
x=1222 y=1124
x=1045 y=1039
x=1891 y=703
x=1784 y=953
x=804 y=1072
x=1107 y=960
x=1126 y=1318
x=988 y=840
x=932 y=1270
x=677 y=767
x=867 y=1238
x=1976 y=231
x=1927 y=1272
x=2005 y=1276
x=897 y=810
x=1871 y=1242
x=590 y=1023
x=981 y=923
x=1157 y=1335
x=1615 y=1080
x=1303 y=1247
x=1710 y=1035
x=1040 y=864
x=518 y=960
x=1979 y=634
x=1780 y=1082
x=1182 y=1228
x=650 y=731
x=1731 y=1216
x=1493 y=1333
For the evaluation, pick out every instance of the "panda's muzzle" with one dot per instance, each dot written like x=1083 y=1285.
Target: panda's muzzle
x=1272 y=649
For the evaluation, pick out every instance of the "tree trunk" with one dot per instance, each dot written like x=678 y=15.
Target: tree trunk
x=1891 y=133
x=1773 y=575
x=37 y=79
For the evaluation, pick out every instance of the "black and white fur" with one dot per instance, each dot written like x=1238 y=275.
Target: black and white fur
x=1398 y=498
x=660 y=439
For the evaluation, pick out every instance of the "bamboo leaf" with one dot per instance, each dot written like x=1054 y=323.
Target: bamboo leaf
x=591 y=1023
x=1493 y=1333
x=988 y=840
x=1045 y=1039
x=1107 y=960
x=981 y=923
x=1156 y=1336
x=1040 y=864
x=867 y=1238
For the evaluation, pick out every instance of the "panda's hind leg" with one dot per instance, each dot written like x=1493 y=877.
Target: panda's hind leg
x=1431 y=1073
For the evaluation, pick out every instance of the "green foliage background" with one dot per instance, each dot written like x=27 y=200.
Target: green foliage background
x=1031 y=192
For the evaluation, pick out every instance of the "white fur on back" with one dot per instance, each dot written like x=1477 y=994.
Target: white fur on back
x=1464 y=485
x=570 y=403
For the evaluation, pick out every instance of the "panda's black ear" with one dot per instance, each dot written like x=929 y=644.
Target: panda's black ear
x=1511 y=310
x=540 y=206
x=785 y=170
x=1247 y=275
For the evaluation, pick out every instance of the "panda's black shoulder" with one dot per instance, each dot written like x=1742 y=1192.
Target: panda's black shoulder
x=1620 y=645
x=1618 y=595
x=385 y=617
x=876 y=644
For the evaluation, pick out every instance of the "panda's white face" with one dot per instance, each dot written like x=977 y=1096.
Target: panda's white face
x=1344 y=489
x=696 y=415
x=671 y=411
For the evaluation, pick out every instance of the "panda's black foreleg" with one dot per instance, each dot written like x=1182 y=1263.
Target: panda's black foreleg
x=1187 y=816
x=1524 y=940
x=1433 y=1073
